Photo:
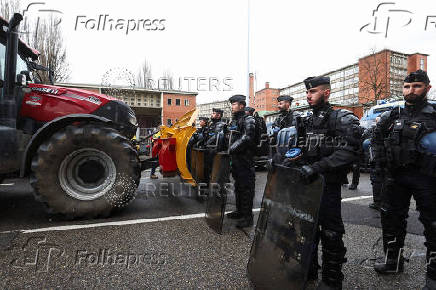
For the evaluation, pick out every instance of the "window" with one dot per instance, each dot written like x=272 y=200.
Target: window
x=21 y=64
x=177 y=102
x=169 y=103
x=169 y=122
x=421 y=64
x=186 y=102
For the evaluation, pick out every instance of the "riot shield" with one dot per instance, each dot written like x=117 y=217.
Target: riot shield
x=216 y=202
x=197 y=165
x=282 y=249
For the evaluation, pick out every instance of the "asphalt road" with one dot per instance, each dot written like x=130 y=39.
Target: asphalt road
x=161 y=241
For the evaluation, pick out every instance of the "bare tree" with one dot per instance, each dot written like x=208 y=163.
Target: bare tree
x=8 y=7
x=166 y=82
x=44 y=35
x=375 y=84
x=144 y=75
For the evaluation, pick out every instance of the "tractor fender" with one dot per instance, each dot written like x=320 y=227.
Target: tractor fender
x=47 y=130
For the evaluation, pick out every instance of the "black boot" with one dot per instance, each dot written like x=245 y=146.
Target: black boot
x=237 y=214
x=246 y=200
x=245 y=222
x=392 y=265
x=333 y=256
x=394 y=261
x=234 y=215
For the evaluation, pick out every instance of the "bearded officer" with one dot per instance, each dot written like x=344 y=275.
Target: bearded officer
x=242 y=148
x=405 y=143
x=287 y=116
x=332 y=161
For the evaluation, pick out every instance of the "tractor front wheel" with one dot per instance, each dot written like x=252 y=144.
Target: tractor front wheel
x=85 y=171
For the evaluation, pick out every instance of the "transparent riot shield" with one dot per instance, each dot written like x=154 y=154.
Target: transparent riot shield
x=281 y=252
x=216 y=202
x=198 y=165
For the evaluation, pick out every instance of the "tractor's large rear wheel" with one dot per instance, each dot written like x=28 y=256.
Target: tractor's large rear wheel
x=85 y=171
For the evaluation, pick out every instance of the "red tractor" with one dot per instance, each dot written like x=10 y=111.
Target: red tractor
x=74 y=144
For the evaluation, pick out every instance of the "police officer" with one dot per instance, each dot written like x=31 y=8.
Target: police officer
x=332 y=161
x=216 y=129
x=200 y=136
x=405 y=145
x=241 y=149
x=287 y=116
x=215 y=140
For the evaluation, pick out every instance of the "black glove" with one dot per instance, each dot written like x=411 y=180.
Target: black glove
x=308 y=174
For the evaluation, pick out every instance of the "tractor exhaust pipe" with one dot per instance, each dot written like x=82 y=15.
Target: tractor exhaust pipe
x=8 y=106
x=9 y=157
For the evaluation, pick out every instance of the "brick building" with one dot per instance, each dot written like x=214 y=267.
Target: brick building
x=352 y=85
x=265 y=99
x=152 y=107
x=176 y=104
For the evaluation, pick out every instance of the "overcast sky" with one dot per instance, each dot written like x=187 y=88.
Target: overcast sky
x=209 y=39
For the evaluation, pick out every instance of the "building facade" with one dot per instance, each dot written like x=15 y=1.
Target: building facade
x=357 y=86
x=205 y=110
x=152 y=107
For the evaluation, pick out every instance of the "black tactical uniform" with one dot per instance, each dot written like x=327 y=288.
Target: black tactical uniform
x=337 y=141
x=216 y=130
x=411 y=171
x=199 y=138
x=242 y=147
x=215 y=140
x=286 y=118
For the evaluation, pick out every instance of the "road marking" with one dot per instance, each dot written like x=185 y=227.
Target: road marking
x=137 y=221
x=7 y=184
x=356 y=198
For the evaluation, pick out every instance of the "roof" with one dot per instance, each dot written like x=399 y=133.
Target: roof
x=95 y=86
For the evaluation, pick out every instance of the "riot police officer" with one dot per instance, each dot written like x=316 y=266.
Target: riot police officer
x=215 y=140
x=200 y=136
x=405 y=144
x=241 y=149
x=216 y=130
x=332 y=160
x=287 y=116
